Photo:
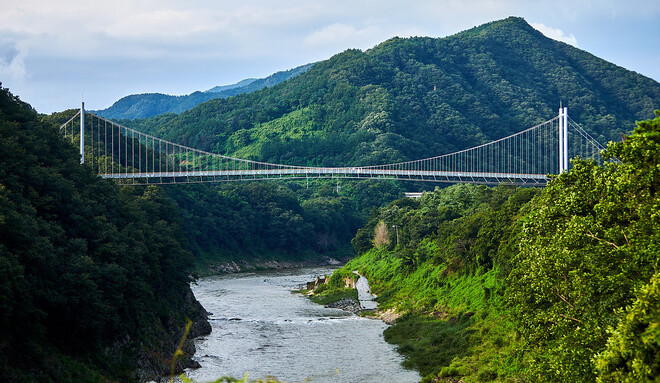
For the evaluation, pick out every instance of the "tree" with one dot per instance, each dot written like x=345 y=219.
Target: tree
x=381 y=234
x=86 y=267
x=633 y=349
x=591 y=239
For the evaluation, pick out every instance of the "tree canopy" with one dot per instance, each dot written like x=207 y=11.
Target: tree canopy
x=90 y=273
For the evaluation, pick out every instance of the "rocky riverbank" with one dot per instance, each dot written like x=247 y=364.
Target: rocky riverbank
x=353 y=305
x=365 y=303
x=347 y=304
x=256 y=264
x=155 y=356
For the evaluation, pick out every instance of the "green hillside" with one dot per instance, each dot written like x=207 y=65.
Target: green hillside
x=418 y=97
x=94 y=284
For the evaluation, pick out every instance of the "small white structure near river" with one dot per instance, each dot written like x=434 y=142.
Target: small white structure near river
x=367 y=300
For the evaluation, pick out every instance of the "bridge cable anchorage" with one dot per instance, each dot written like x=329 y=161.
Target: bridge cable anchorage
x=132 y=157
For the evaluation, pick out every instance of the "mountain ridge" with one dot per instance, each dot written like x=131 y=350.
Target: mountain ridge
x=222 y=88
x=410 y=98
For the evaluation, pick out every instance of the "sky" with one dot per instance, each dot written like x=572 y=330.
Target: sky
x=56 y=53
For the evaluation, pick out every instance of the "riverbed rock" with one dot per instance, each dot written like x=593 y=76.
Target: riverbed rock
x=346 y=304
x=155 y=355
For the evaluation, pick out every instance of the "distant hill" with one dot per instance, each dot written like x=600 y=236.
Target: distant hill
x=242 y=83
x=411 y=98
x=153 y=104
x=251 y=85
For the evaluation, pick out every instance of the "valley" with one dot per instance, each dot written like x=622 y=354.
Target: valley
x=489 y=283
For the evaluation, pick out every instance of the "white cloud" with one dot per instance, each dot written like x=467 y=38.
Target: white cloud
x=340 y=36
x=13 y=65
x=345 y=35
x=162 y=24
x=175 y=46
x=556 y=34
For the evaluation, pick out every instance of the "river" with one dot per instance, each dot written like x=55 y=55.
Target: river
x=260 y=327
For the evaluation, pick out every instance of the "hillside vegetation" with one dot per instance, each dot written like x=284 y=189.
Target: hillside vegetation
x=256 y=222
x=515 y=284
x=418 y=97
x=93 y=278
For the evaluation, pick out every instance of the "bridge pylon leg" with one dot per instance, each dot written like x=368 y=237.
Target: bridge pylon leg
x=565 y=143
x=82 y=132
x=563 y=139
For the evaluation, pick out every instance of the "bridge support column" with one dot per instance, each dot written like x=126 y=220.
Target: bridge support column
x=565 y=125
x=82 y=132
x=563 y=139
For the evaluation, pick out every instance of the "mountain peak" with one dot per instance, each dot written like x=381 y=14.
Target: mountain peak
x=410 y=98
x=510 y=25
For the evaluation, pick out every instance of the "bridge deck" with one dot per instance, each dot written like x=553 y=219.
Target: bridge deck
x=347 y=172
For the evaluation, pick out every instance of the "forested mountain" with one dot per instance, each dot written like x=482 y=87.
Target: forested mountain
x=93 y=278
x=418 y=97
x=154 y=104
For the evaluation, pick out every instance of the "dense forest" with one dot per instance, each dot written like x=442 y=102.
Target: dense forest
x=256 y=222
x=517 y=284
x=417 y=97
x=93 y=283
x=154 y=104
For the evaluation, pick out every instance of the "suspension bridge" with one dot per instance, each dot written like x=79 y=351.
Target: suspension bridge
x=525 y=158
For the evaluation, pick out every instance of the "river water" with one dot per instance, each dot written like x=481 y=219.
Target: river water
x=260 y=327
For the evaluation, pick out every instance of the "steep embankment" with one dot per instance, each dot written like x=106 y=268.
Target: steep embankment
x=506 y=284
x=418 y=97
x=93 y=280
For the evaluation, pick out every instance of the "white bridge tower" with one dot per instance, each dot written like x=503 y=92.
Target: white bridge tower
x=563 y=139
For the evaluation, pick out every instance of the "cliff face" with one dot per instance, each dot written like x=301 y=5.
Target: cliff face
x=155 y=357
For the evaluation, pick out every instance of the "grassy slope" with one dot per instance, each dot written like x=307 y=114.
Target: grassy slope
x=497 y=285
x=455 y=320
x=454 y=325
